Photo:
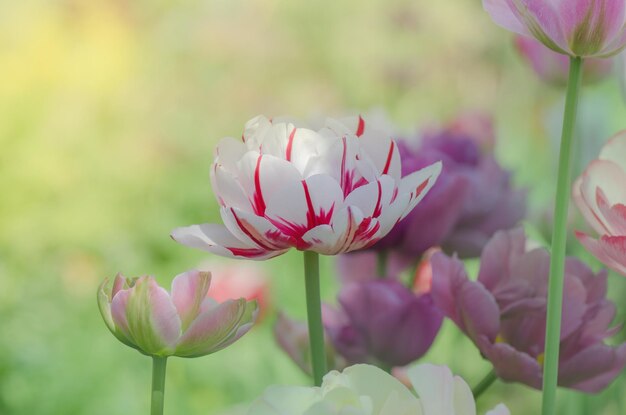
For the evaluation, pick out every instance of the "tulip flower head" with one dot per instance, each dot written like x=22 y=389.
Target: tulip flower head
x=504 y=314
x=553 y=68
x=600 y=194
x=578 y=28
x=367 y=390
x=382 y=322
x=332 y=191
x=184 y=323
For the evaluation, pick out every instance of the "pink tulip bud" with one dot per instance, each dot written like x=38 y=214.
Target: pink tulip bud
x=184 y=323
x=585 y=28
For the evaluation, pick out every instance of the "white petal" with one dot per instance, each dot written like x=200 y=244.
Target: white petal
x=254 y=132
x=464 y=403
x=228 y=153
x=383 y=152
x=262 y=175
x=218 y=240
x=434 y=386
x=254 y=230
x=418 y=184
x=228 y=190
x=615 y=150
x=372 y=197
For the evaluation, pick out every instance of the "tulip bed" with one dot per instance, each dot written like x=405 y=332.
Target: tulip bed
x=108 y=146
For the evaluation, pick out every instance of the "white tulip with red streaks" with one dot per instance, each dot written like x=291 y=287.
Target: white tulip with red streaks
x=330 y=191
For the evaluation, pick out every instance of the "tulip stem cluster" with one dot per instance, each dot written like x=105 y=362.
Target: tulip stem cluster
x=559 y=240
x=314 y=315
x=484 y=384
x=158 y=385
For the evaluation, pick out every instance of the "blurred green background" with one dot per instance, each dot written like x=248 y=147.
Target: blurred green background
x=109 y=112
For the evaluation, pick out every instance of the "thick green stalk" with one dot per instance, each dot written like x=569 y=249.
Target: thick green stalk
x=559 y=240
x=314 y=315
x=158 y=385
x=484 y=384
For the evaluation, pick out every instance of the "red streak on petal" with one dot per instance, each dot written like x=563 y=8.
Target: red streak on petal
x=246 y=252
x=421 y=188
x=394 y=194
x=259 y=202
x=361 y=128
x=250 y=235
x=290 y=144
x=389 y=157
x=310 y=214
x=378 y=209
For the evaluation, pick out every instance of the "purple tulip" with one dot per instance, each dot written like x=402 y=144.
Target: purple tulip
x=382 y=322
x=184 y=323
x=553 y=68
x=472 y=199
x=585 y=28
x=504 y=314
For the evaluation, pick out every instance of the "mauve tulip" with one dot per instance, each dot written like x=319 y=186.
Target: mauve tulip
x=600 y=194
x=584 y=28
x=504 y=313
x=382 y=322
x=553 y=68
x=332 y=191
x=472 y=200
x=367 y=390
x=184 y=323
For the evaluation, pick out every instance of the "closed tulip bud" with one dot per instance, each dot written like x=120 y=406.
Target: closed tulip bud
x=184 y=323
x=383 y=323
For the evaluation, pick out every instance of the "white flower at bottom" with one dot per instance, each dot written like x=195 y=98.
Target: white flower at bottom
x=368 y=390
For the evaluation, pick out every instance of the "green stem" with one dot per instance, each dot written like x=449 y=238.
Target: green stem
x=314 y=315
x=559 y=241
x=381 y=264
x=158 y=385
x=484 y=384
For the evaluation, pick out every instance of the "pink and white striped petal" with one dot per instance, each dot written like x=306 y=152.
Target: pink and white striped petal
x=611 y=250
x=418 y=184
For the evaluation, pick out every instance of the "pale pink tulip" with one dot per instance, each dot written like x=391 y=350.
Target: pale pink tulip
x=184 y=323
x=600 y=194
x=332 y=191
x=585 y=28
